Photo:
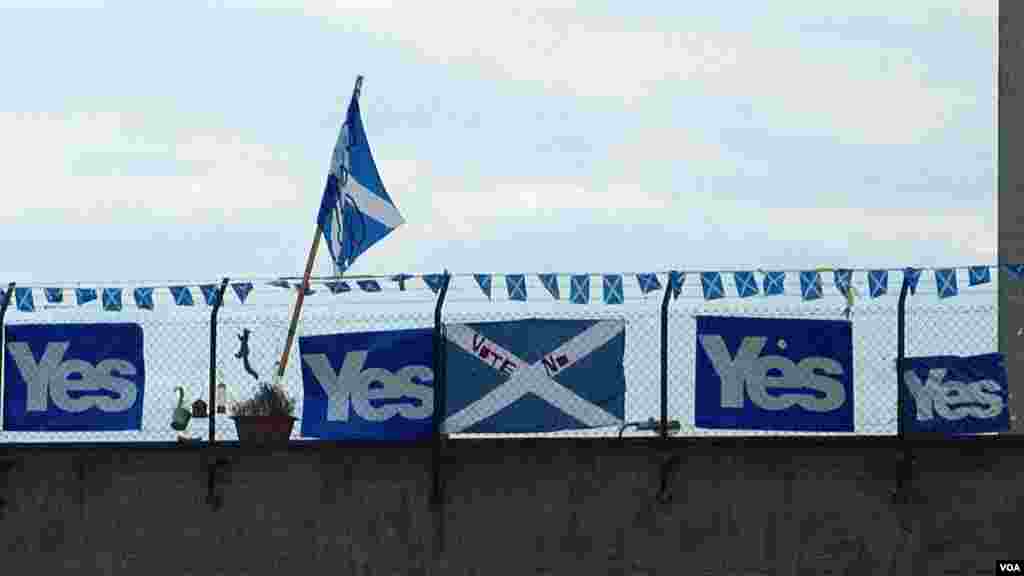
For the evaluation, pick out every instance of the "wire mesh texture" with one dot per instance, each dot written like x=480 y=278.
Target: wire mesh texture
x=177 y=343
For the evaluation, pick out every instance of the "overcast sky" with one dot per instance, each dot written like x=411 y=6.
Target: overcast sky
x=142 y=142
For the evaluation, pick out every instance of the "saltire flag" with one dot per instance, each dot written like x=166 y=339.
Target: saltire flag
x=528 y=376
x=355 y=211
x=54 y=295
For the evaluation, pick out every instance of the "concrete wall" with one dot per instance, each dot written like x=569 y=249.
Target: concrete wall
x=767 y=506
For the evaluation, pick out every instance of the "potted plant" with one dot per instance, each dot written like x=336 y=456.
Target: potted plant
x=266 y=417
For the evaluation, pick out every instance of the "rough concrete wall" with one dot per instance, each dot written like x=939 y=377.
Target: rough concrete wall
x=555 y=507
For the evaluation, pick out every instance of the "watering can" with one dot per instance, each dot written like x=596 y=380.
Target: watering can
x=181 y=415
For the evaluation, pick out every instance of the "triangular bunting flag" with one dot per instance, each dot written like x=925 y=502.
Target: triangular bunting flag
x=648 y=282
x=279 y=284
x=878 y=282
x=676 y=280
x=979 y=275
x=209 y=293
x=23 y=299
x=368 y=285
x=842 y=278
x=242 y=290
x=338 y=287
x=746 y=284
x=945 y=279
x=774 y=283
x=550 y=282
x=434 y=281
x=144 y=298
x=182 y=295
x=612 y=289
x=711 y=284
x=910 y=277
x=810 y=285
x=1016 y=271
x=515 y=284
x=84 y=295
x=579 y=289
x=298 y=286
x=484 y=282
x=54 y=295
x=112 y=299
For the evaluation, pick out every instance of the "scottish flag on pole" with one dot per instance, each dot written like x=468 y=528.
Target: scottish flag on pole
x=356 y=211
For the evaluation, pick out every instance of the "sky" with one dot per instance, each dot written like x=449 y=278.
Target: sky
x=147 y=141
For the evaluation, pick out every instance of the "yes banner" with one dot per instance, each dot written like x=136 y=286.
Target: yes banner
x=368 y=385
x=530 y=376
x=956 y=394
x=73 y=377
x=774 y=374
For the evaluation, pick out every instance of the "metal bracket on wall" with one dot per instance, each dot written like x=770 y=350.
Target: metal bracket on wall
x=6 y=465
x=669 y=462
x=218 y=470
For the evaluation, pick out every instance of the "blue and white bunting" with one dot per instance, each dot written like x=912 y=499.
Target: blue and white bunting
x=842 y=278
x=550 y=283
x=910 y=277
x=746 y=284
x=878 y=282
x=182 y=295
x=1015 y=271
x=484 y=282
x=979 y=275
x=84 y=295
x=810 y=285
x=368 y=285
x=112 y=299
x=279 y=284
x=298 y=286
x=434 y=281
x=648 y=283
x=515 y=285
x=774 y=283
x=612 y=289
x=143 y=298
x=945 y=279
x=338 y=287
x=54 y=295
x=23 y=300
x=209 y=293
x=676 y=279
x=242 y=290
x=711 y=284
x=579 y=289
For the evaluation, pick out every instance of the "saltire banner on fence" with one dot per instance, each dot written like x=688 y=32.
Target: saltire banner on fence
x=945 y=280
x=774 y=374
x=535 y=375
x=182 y=295
x=143 y=298
x=73 y=377
x=111 y=299
x=676 y=279
x=23 y=300
x=515 y=284
x=979 y=275
x=242 y=290
x=209 y=293
x=1015 y=271
x=434 y=281
x=84 y=295
x=579 y=289
x=648 y=283
x=356 y=211
x=612 y=289
x=338 y=287
x=368 y=285
x=810 y=285
x=550 y=282
x=774 y=283
x=746 y=284
x=711 y=284
x=368 y=385
x=54 y=295
x=484 y=282
x=911 y=276
x=956 y=394
x=878 y=282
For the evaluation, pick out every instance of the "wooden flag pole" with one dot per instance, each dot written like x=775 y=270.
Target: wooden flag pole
x=279 y=375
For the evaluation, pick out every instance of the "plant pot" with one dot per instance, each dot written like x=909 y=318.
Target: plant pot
x=264 y=430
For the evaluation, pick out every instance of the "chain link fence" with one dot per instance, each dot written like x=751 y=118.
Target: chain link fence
x=177 y=344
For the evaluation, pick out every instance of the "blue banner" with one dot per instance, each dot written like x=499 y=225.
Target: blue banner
x=368 y=385
x=73 y=377
x=956 y=394
x=529 y=376
x=774 y=374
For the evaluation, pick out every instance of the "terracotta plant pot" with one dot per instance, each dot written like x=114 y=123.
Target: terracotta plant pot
x=264 y=430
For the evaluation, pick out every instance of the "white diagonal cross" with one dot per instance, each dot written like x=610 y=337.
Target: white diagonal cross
x=747 y=284
x=613 y=289
x=946 y=283
x=581 y=289
x=516 y=285
x=534 y=378
x=708 y=280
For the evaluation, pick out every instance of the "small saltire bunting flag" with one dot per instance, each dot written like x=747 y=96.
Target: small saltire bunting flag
x=2 y=296
x=54 y=295
x=945 y=278
x=1016 y=271
x=810 y=285
x=515 y=284
x=112 y=299
x=279 y=284
x=612 y=292
x=842 y=278
x=711 y=284
x=579 y=289
x=774 y=283
x=648 y=282
x=746 y=284
x=83 y=295
x=242 y=290
x=910 y=277
x=182 y=295
x=338 y=287
x=484 y=282
x=979 y=275
x=676 y=279
x=298 y=286
x=878 y=282
x=23 y=299
x=209 y=293
x=144 y=298
x=434 y=281
x=550 y=282
x=401 y=278
x=368 y=285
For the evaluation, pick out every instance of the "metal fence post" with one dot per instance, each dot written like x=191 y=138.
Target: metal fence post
x=213 y=360
x=664 y=358
x=904 y=456
x=440 y=388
